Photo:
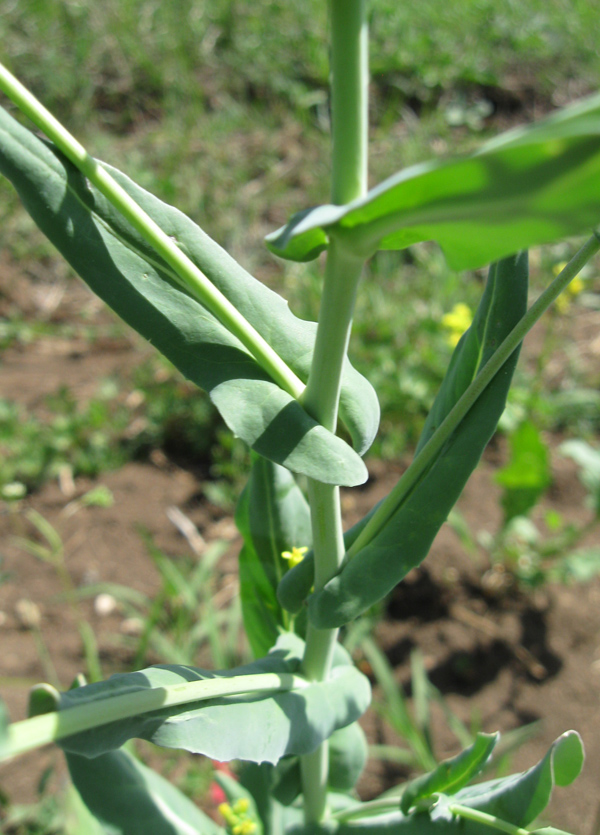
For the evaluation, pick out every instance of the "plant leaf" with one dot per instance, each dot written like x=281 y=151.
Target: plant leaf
x=520 y=798
x=130 y=799
x=516 y=800
x=527 y=474
x=348 y=753
x=121 y=267
x=450 y=775
x=260 y=727
x=273 y=516
x=404 y=540
x=526 y=187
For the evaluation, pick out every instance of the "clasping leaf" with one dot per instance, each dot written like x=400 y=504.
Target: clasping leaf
x=526 y=187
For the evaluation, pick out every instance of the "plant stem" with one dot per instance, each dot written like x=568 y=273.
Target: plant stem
x=433 y=447
x=349 y=99
x=49 y=727
x=322 y=393
x=321 y=401
x=349 y=103
x=187 y=273
x=488 y=820
x=364 y=810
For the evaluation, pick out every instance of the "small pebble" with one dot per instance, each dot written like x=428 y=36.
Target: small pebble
x=132 y=627
x=105 y=604
x=28 y=614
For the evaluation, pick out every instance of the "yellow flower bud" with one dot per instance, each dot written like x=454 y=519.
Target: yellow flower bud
x=241 y=805
x=227 y=812
x=294 y=556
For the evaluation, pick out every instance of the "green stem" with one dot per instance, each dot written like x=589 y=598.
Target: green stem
x=433 y=447
x=349 y=97
x=368 y=809
x=488 y=820
x=321 y=399
x=49 y=727
x=189 y=275
x=322 y=393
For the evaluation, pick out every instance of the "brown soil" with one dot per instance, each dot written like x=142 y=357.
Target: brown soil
x=501 y=660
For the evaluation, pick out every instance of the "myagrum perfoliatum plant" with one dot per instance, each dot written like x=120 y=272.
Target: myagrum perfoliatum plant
x=290 y=717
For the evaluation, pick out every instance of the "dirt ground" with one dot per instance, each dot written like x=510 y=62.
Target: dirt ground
x=501 y=661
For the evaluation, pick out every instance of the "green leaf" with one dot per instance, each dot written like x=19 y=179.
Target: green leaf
x=348 y=753
x=121 y=267
x=78 y=820
x=273 y=516
x=527 y=475
x=520 y=798
x=450 y=775
x=405 y=537
x=259 y=727
x=128 y=798
x=526 y=187
x=516 y=800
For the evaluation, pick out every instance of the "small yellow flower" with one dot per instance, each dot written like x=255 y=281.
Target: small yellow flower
x=457 y=322
x=295 y=556
x=571 y=291
x=241 y=805
x=227 y=812
x=246 y=827
x=237 y=819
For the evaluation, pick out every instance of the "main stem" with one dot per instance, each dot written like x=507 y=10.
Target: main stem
x=349 y=124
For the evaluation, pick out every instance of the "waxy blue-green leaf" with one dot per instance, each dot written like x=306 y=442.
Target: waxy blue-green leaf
x=259 y=727
x=273 y=516
x=450 y=775
x=517 y=800
x=127 y=798
x=520 y=798
x=348 y=753
x=405 y=536
x=122 y=268
x=527 y=187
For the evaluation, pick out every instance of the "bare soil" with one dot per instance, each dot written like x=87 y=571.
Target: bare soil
x=501 y=660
